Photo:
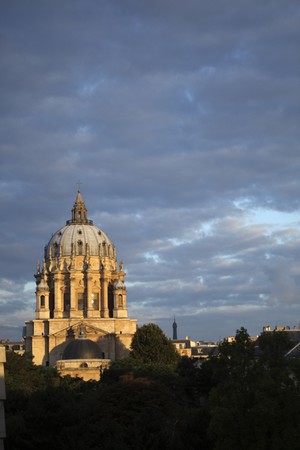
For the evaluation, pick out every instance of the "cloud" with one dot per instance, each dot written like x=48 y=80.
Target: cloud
x=182 y=124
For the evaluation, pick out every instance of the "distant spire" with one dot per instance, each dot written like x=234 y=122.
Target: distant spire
x=174 y=330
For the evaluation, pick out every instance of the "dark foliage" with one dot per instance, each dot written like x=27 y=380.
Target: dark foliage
x=255 y=402
x=246 y=398
x=133 y=407
x=151 y=345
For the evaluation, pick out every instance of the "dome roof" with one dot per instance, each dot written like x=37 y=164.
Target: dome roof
x=82 y=349
x=72 y=236
x=79 y=236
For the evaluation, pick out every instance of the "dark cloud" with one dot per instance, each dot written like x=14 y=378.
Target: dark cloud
x=181 y=121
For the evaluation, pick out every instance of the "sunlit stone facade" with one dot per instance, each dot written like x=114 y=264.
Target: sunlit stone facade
x=2 y=396
x=80 y=284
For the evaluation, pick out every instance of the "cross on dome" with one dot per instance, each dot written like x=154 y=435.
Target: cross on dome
x=78 y=184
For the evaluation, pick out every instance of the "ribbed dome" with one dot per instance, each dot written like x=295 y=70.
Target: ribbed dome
x=73 y=238
x=79 y=236
x=82 y=349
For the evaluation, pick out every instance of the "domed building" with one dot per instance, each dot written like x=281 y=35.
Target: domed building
x=82 y=358
x=80 y=286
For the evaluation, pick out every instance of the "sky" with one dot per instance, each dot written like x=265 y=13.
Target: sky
x=181 y=121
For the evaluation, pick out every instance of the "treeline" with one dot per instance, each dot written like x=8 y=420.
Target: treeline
x=248 y=397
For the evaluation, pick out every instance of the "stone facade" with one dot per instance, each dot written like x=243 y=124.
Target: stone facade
x=2 y=396
x=89 y=369
x=79 y=284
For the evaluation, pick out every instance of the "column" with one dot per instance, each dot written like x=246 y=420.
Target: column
x=104 y=298
x=58 y=311
x=89 y=305
x=73 y=306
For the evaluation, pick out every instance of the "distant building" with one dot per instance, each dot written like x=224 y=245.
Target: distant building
x=193 y=349
x=14 y=346
x=231 y=339
x=79 y=286
x=292 y=332
x=184 y=346
x=294 y=336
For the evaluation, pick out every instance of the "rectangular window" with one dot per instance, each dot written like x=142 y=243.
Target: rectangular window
x=95 y=300
x=81 y=301
x=66 y=301
x=120 y=301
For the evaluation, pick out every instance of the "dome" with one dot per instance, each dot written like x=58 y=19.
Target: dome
x=82 y=349
x=79 y=236
x=74 y=238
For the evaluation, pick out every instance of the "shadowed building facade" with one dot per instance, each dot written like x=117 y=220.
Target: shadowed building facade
x=80 y=286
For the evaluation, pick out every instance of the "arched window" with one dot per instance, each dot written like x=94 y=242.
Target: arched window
x=84 y=365
x=42 y=301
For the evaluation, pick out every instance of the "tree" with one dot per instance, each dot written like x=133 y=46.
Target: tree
x=273 y=347
x=150 y=409
x=255 y=402
x=230 y=399
x=24 y=376
x=151 y=345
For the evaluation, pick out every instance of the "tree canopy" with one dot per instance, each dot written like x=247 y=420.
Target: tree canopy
x=131 y=412
x=254 y=403
x=151 y=345
x=247 y=397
